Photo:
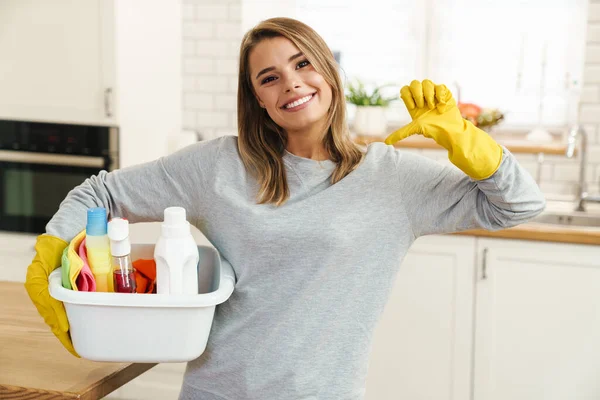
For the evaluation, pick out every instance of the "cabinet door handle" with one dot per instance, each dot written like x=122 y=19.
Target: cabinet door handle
x=107 y=103
x=484 y=264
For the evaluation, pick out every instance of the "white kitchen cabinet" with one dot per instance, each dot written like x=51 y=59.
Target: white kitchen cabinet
x=537 y=321
x=95 y=62
x=16 y=253
x=422 y=344
x=57 y=60
x=163 y=382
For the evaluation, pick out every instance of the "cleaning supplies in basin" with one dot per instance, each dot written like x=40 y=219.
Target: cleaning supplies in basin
x=176 y=255
x=122 y=269
x=98 y=248
x=145 y=275
x=76 y=274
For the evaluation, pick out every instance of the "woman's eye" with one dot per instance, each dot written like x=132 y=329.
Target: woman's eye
x=267 y=79
x=303 y=64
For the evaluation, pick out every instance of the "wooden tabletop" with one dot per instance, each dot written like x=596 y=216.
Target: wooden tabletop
x=34 y=365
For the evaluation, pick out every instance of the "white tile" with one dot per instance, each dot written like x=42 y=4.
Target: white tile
x=594 y=153
x=198 y=29
x=234 y=12
x=198 y=101
x=233 y=84
x=212 y=12
x=233 y=120
x=566 y=173
x=189 y=47
x=594 y=12
x=225 y=102
x=212 y=84
x=558 y=188
x=233 y=48
x=229 y=30
x=547 y=173
x=591 y=74
x=189 y=119
x=589 y=113
x=226 y=66
x=592 y=53
x=557 y=159
x=593 y=32
x=590 y=94
x=200 y=66
x=214 y=119
x=211 y=47
x=188 y=84
x=188 y=12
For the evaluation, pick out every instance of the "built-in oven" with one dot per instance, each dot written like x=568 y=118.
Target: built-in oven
x=41 y=162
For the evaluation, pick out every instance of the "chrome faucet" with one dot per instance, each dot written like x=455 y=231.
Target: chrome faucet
x=582 y=194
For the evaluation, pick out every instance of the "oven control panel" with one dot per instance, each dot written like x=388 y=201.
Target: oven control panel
x=55 y=138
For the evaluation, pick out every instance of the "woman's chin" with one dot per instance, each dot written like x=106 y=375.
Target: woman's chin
x=304 y=124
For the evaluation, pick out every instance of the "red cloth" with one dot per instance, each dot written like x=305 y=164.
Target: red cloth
x=145 y=276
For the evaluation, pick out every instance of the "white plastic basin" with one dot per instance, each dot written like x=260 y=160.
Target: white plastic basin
x=147 y=328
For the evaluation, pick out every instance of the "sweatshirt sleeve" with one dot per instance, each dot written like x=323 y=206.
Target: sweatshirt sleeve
x=442 y=199
x=139 y=193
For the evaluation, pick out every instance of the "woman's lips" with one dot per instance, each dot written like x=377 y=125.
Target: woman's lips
x=301 y=106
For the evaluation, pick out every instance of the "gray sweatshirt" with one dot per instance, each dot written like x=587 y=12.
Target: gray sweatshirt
x=312 y=276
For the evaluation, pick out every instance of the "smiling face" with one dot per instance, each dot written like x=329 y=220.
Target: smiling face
x=295 y=95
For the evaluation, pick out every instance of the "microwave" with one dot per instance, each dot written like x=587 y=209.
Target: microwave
x=41 y=162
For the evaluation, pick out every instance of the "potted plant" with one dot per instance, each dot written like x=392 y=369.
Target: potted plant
x=370 y=104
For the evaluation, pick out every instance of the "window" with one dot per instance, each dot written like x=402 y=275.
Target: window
x=524 y=57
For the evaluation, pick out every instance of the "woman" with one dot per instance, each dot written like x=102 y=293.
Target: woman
x=314 y=228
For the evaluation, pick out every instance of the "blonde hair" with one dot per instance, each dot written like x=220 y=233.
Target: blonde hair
x=261 y=141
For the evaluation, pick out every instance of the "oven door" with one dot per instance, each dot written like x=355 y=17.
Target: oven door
x=32 y=186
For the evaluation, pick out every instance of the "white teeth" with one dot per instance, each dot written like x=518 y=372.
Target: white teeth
x=299 y=101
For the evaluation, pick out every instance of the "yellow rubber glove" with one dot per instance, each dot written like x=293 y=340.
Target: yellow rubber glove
x=49 y=251
x=435 y=115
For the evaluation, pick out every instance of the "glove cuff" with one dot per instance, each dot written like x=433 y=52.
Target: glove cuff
x=49 y=251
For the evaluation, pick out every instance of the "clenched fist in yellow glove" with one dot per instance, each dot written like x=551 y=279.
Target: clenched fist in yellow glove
x=435 y=115
x=49 y=250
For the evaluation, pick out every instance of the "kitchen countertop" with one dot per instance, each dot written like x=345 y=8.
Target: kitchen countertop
x=512 y=143
x=543 y=232
x=549 y=232
x=34 y=365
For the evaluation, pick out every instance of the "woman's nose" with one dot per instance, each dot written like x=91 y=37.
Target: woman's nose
x=292 y=82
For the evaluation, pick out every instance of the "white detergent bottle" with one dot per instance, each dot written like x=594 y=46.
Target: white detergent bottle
x=176 y=255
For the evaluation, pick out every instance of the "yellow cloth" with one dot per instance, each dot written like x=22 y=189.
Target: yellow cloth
x=49 y=250
x=435 y=115
x=75 y=262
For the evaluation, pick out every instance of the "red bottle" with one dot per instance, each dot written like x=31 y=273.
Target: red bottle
x=120 y=249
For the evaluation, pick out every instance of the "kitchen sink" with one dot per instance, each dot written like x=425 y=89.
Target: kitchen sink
x=569 y=219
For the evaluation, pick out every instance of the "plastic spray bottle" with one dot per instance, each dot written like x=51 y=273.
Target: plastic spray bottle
x=123 y=272
x=176 y=255
x=98 y=248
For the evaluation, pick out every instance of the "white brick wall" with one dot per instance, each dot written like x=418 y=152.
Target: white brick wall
x=212 y=31
x=590 y=103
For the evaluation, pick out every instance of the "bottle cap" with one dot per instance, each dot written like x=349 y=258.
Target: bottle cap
x=118 y=233
x=96 y=221
x=175 y=224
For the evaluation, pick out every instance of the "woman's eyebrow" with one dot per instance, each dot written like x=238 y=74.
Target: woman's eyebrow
x=269 y=69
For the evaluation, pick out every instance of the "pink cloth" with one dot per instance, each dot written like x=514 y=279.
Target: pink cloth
x=85 y=280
